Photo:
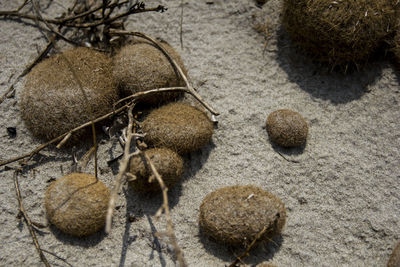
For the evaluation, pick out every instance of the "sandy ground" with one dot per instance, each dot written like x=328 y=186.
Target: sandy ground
x=342 y=197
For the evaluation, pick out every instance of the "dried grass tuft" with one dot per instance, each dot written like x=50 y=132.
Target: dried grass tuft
x=339 y=32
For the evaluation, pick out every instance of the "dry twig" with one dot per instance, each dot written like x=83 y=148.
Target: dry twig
x=165 y=207
x=123 y=165
x=249 y=247
x=29 y=155
x=28 y=221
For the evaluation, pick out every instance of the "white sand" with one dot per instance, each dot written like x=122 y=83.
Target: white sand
x=342 y=198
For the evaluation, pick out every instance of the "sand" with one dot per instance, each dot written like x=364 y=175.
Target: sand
x=341 y=192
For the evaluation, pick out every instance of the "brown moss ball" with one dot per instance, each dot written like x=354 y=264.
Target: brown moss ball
x=179 y=127
x=394 y=260
x=266 y=264
x=339 y=32
x=287 y=128
x=141 y=66
x=168 y=164
x=396 y=45
x=77 y=204
x=52 y=102
x=234 y=215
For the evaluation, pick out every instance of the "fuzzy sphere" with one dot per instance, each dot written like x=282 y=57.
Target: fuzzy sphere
x=394 y=260
x=287 y=128
x=266 y=264
x=168 y=164
x=396 y=45
x=179 y=127
x=77 y=204
x=234 y=215
x=52 y=102
x=141 y=66
x=339 y=32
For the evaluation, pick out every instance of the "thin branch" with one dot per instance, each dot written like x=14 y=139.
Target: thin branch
x=181 y=26
x=249 y=247
x=28 y=221
x=123 y=165
x=63 y=22
x=176 y=66
x=165 y=206
x=101 y=118
x=159 y=90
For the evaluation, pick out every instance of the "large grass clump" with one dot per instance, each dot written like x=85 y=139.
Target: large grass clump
x=235 y=215
x=342 y=31
x=77 y=204
x=52 y=101
x=141 y=66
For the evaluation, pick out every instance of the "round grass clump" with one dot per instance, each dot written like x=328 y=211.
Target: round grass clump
x=168 y=164
x=52 y=102
x=394 y=260
x=339 y=32
x=234 y=215
x=77 y=204
x=141 y=66
x=396 y=45
x=179 y=127
x=287 y=128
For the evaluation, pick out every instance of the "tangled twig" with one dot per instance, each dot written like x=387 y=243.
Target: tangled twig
x=138 y=95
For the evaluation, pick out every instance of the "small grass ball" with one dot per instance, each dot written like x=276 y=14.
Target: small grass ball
x=179 y=127
x=77 y=204
x=235 y=215
x=339 y=32
x=168 y=164
x=52 y=102
x=394 y=260
x=141 y=66
x=287 y=128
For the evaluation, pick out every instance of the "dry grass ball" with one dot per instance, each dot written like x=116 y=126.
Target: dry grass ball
x=141 y=66
x=77 y=204
x=168 y=164
x=396 y=45
x=394 y=260
x=52 y=102
x=287 y=128
x=266 y=264
x=179 y=127
x=339 y=32
x=234 y=215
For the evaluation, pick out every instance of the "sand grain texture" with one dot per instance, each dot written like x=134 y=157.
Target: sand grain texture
x=342 y=198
